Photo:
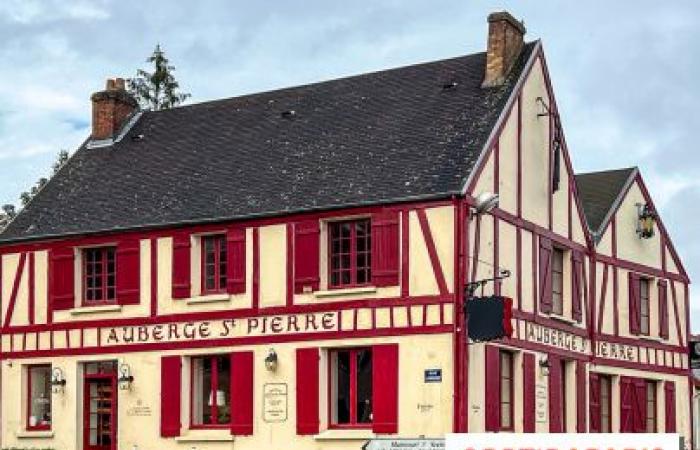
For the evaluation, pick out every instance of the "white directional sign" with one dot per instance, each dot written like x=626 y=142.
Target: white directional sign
x=404 y=444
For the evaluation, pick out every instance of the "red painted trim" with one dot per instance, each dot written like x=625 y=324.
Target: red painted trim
x=519 y=267
x=519 y=205
x=603 y=292
x=154 y=277
x=432 y=251
x=460 y=416
x=677 y=314
x=256 y=268
x=290 y=264
x=550 y=170
x=477 y=246
x=31 y=297
x=616 y=307
x=496 y=261
x=15 y=289
x=569 y=201
x=535 y=278
x=405 y=242
x=551 y=322
x=643 y=269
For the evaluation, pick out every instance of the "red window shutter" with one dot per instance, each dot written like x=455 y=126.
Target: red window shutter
x=307 y=391
x=634 y=305
x=62 y=278
x=242 y=393
x=627 y=400
x=545 y=275
x=640 y=405
x=663 y=309
x=128 y=272
x=555 y=400
x=385 y=388
x=492 y=393
x=670 y=405
x=306 y=255
x=181 y=265
x=235 y=264
x=580 y=397
x=529 y=374
x=594 y=425
x=577 y=282
x=385 y=248
x=170 y=401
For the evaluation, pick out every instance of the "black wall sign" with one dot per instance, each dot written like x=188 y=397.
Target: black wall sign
x=488 y=318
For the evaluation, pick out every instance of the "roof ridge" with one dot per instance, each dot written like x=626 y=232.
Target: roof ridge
x=596 y=172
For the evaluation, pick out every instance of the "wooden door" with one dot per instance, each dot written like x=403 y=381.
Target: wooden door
x=100 y=412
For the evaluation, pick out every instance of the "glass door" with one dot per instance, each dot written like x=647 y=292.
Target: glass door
x=100 y=411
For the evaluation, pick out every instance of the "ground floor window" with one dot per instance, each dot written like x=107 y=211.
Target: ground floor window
x=605 y=404
x=506 y=389
x=350 y=387
x=39 y=397
x=651 y=407
x=211 y=391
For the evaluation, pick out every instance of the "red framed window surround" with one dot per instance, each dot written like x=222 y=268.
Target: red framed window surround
x=349 y=253
x=350 y=388
x=99 y=275
x=214 y=264
x=39 y=397
x=506 y=390
x=210 y=400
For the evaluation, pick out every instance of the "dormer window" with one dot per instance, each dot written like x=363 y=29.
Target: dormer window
x=99 y=275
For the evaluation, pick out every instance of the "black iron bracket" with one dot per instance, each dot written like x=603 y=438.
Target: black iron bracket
x=472 y=286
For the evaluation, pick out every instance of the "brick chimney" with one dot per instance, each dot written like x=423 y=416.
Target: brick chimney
x=110 y=109
x=504 y=45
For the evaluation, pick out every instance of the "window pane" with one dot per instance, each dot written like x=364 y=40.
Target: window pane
x=364 y=386
x=223 y=390
x=40 y=397
x=506 y=389
x=201 y=391
x=341 y=387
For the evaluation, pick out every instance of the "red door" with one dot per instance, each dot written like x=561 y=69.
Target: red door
x=100 y=412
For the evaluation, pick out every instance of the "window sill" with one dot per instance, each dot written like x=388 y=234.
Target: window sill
x=39 y=434
x=562 y=319
x=209 y=298
x=651 y=339
x=95 y=309
x=345 y=435
x=345 y=291
x=207 y=436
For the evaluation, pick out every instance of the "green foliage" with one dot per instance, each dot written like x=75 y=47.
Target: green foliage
x=158 y=89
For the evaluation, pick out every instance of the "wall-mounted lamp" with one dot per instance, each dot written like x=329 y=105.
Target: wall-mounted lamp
x=271 y=360
x=646 y=217
x=485 y=202
x=544 y=366
x=58 y=381
x=125 y=377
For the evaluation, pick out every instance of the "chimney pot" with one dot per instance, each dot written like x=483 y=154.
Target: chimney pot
x=111 y=109
x=505 y=41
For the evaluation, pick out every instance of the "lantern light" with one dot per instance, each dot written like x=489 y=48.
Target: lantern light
x=544 y=366
x=646 y=217
x=271 y=360
x=58 y=381
x=125 y=377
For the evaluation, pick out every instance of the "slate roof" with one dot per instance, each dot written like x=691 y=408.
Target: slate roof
x=376 y=138
x=599 y=192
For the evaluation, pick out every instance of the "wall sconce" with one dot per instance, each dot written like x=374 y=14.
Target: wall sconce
x=125 y=377
x=485 y=203
x=645 y=220
x=544 y=366
x=271 y=360
x=58 y=381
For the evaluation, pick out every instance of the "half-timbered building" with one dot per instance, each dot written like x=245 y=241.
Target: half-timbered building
x=288 y=269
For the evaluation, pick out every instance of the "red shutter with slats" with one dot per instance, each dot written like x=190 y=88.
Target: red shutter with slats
x=242 y=393
x=128 y=271
x=640 y=405
x=492 y=391
x=306 y=255
x=170 y=401
x=670 y=405
x=529 y=374
x=545 y=275
x=580 y=397
x=385 y=248
x=385 y=388
x=62 y=278
x=555 y=400
x=576 y=288
x=594 y=425
x=181 y=265
x=626 y=405
x=235 y=264
x=307 y=383
x=634 y=303
x=663 y=309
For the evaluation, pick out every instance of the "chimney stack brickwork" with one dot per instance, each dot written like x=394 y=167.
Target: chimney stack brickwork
x=111 y=108
x=505 y=41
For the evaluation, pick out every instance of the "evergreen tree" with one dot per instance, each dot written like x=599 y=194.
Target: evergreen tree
x=158 y=89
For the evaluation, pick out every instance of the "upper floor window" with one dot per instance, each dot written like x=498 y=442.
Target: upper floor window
x=350 y=253
x=211 y=391
x=39 y=397
x=644 y=305
x=351 y=387
x=506 y=387
x=214 y=260
x=99 y=275
x=558 y=281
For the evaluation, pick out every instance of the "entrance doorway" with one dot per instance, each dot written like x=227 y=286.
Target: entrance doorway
x=100 y=406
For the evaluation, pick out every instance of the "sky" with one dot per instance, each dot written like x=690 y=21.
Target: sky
x=625 y=73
